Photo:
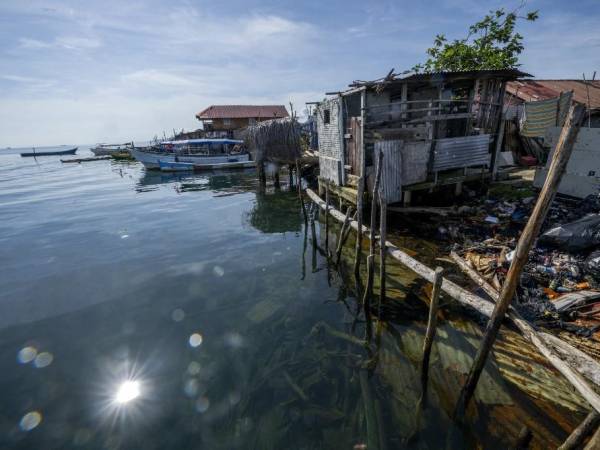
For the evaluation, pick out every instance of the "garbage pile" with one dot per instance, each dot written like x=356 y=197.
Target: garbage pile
x=560 y=285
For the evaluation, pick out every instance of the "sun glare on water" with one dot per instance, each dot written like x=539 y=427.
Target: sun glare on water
x=128 y=391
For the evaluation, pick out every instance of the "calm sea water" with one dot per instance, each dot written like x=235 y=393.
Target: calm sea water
x=144 y=310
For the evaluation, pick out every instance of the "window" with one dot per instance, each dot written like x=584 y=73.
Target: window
x=326 y=116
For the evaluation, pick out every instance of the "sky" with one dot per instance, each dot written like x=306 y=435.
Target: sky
x=87 y=71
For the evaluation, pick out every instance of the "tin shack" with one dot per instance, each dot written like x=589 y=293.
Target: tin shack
x=434 y=129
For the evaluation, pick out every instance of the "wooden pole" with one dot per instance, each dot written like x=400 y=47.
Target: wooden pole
x=327 y=219
x=431 y=330
x=560 y=159
x=371 y=259
x=576 y=438
x=570 y=369
x=343 y=235
x=300 y=191
x=360 y=190
x=382 y=250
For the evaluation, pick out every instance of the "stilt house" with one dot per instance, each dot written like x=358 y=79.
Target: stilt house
x=433 y=129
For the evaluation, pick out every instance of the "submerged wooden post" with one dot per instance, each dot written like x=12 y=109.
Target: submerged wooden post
x=327 y=219
x=343 y=235
x=560 y=159
x=299 y=181
x=431 y=330
x=576 y=438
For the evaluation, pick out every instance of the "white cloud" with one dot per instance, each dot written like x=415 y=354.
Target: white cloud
x=157 y=77
x=61 y=42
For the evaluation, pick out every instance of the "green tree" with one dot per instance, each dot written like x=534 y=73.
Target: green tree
x=492 y=43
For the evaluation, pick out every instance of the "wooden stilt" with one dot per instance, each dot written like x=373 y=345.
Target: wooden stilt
x=300 y=192
x=276 y=182
x=576 y=438
x=560 y=159
x=370 y=260
x=291 y=176
x=343 y=235
x=382 y=251
x=262 y=176
x=359 y=219
x=327 y=219
x=430 y=333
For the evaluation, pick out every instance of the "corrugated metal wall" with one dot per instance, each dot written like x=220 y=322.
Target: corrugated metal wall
x=330 y=169
x=456 y=153
x=405 y=163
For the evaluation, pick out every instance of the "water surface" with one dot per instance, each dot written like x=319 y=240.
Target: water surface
x=146 y=310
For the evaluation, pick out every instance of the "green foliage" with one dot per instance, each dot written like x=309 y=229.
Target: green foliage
x=492 y=43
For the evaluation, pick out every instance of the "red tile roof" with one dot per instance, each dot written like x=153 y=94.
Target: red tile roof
x=533 y=90
x=242 y=112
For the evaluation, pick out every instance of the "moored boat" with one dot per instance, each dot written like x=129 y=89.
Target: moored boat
x=166 y=166
x=61 y=151
x=202 y=153
x=109 y=149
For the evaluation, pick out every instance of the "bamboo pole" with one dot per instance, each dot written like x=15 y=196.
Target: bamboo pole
x=576 y=438
x=560 y=159
x=430 y=333
x=483 y=306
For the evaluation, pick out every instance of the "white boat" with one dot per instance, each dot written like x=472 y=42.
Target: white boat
x=202 y=153
x=187 y=166
x=109 y=149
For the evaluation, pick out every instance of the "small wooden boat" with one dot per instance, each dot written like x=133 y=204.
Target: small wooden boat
x=68 y=151
x=122 y=156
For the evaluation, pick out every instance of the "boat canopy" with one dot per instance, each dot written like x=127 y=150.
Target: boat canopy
x=203 y=141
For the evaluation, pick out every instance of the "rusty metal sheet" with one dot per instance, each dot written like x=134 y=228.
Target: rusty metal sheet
x=405 y=162
x=468 y=151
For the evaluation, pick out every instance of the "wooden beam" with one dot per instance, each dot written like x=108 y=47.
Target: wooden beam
x=576 y=438
x=560 y=159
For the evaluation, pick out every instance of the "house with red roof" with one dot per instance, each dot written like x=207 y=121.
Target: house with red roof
x=227 y=118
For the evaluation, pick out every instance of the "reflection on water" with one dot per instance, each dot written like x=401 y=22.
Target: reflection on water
x=203 y=327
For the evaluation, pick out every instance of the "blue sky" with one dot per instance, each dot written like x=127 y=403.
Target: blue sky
x=113 y=70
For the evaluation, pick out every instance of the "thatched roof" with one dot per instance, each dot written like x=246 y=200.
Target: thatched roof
x=275 y=140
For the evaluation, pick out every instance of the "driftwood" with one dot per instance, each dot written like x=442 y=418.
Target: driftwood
x=579 y=434
x=560 y=159
x=483 y=306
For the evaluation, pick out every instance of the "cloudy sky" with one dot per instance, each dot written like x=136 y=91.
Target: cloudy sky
x=111 y=70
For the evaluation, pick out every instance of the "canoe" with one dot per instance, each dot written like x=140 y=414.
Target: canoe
x=69 y=151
